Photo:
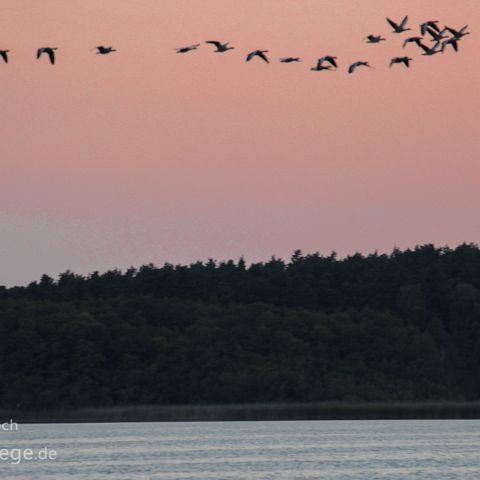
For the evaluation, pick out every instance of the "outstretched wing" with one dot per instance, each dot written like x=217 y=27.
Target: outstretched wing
x=214 y=42
x=392 y=23
x=39 y=52
x=433 y=33
x=451 y=30
x=4 y=55
x=423 y=47
x=332 y=61
x=263 y=56
x=51 y=55
x=404 y=21
x=411 y=39
x=250 y=56
x=352 y=67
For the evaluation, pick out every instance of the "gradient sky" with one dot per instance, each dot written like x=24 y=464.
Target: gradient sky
x=149 y=156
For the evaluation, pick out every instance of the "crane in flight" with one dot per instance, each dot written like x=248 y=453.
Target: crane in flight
x=320 y=66
x=220 y=47
x=428 y=51
x=436 y=36
x=187 y=49
x=430 y=24
x=50 y=51
x=374 y=39
x=290 y=59
x=412 y=40
x=355 y=65
x=258 y=53
x=101 y=50
x=399 y=28
x=451 y=41
x=458 y=34
x=330 y=59
x=405 y=60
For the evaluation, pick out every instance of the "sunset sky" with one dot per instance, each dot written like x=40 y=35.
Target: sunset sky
x=148 y=156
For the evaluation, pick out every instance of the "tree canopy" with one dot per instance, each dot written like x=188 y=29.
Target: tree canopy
x=398 y=327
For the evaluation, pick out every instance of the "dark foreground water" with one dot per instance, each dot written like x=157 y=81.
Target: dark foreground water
x=356 y=450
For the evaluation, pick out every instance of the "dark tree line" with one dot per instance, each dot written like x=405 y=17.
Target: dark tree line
x=398 y=327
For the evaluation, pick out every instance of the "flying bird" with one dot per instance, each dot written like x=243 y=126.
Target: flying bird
x=290 y=59
x=399 y=28
x=374 y=39
x=430 y=24
x=320 y=66
x=4 y=55
x=451 y=41
x=405 y=60
x=411 y=40
x=355 y=65
x=187 y=49
x=49 y=51
x=221 y=47
x=458 y=34
x=436 y=36
x=331 y=60
x=429 y=51
x=258 y=53
x=104 y=50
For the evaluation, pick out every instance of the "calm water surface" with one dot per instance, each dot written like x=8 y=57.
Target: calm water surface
x=356 y=450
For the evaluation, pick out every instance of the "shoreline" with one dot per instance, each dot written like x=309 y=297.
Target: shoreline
x=251 y=412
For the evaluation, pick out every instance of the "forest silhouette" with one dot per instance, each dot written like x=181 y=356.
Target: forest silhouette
x=376 y=328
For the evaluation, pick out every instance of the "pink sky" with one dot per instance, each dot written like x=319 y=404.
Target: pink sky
x=149 y=156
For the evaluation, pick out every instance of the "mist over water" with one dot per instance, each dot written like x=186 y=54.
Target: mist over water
x=334 y=450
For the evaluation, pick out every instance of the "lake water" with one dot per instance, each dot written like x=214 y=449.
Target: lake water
x=334 y=450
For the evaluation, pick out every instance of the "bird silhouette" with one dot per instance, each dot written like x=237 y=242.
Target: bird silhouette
x=4 y=55
x=104 y=50
x=221 y=47
x=374 y=39
x=187 y=49
x=429 y=51
x=442 y=40
x=290 y=59
x=451 y=41
x=436 y=36
x=458 y=34
x=258 y=53
x=355 y=65
x=405 y=60
x=320 y=66
x=399 y=28
x=50 y=51
x=411 y=40
x=430 y=24
x=331 y=60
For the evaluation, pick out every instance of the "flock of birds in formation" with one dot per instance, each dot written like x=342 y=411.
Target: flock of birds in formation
x=442 y=37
